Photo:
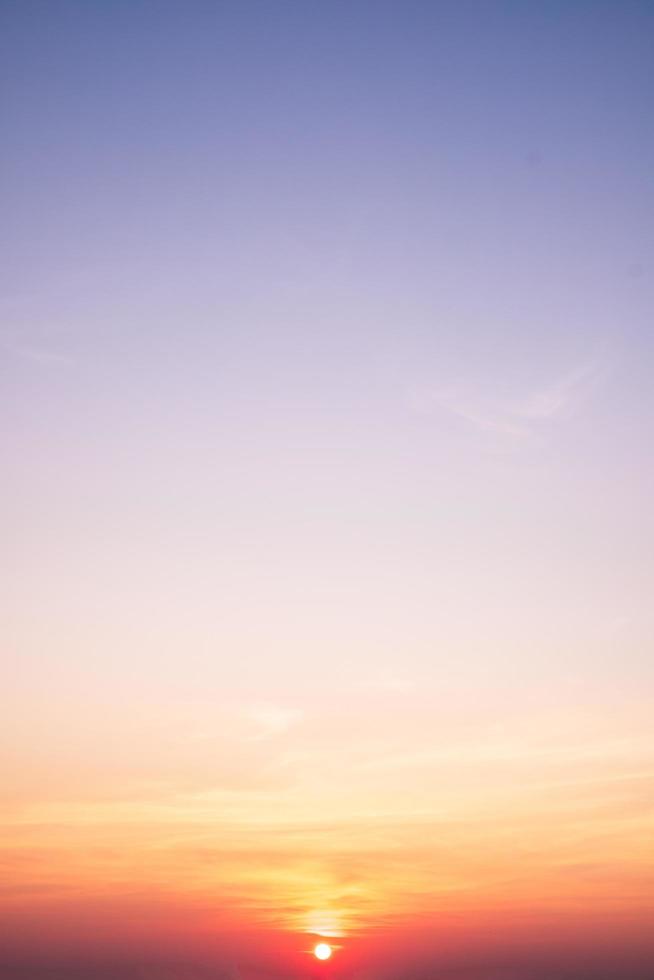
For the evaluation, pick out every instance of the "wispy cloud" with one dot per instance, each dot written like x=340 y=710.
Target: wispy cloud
x=390 y=682
x=268 y=720
x=462 y=404
x=561 y=397
x=515 y=418
x=34 y=352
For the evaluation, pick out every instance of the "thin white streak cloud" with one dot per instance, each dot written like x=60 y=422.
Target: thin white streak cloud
x=30 y=352
x=459 y=404
x=517 y=420
x=560 y=397
x=515 y=751
x=269 y=720
x=391 y=682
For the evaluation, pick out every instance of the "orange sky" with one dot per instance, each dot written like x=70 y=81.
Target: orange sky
x=363 y=822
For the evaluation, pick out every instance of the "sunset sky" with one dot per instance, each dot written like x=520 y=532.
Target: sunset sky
x=327 y=420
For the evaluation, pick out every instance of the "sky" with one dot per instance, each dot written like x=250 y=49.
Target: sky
x=326 y=353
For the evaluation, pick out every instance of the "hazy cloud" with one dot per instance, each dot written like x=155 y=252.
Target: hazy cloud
x=35 y=352
x=268 y=720
x=513 y=418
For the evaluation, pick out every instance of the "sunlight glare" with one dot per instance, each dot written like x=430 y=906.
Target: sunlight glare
x=322 y=951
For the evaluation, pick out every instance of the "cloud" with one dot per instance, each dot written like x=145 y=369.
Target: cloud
x=463 y=405
x=391 y=682
x=559 y=398
x=270 y=720
x=34 y=352
x=514 y=419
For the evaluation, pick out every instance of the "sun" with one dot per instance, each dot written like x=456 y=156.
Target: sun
x=322 y=951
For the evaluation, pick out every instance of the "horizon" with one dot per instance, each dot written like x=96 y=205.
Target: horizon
x=327 y=417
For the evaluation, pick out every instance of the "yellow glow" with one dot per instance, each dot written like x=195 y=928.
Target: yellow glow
x=322 y=951
x=324 y=923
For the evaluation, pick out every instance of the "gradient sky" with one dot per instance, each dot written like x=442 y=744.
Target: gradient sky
x=327 y=406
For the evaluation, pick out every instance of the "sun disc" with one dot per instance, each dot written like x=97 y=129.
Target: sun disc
x=322 y=951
